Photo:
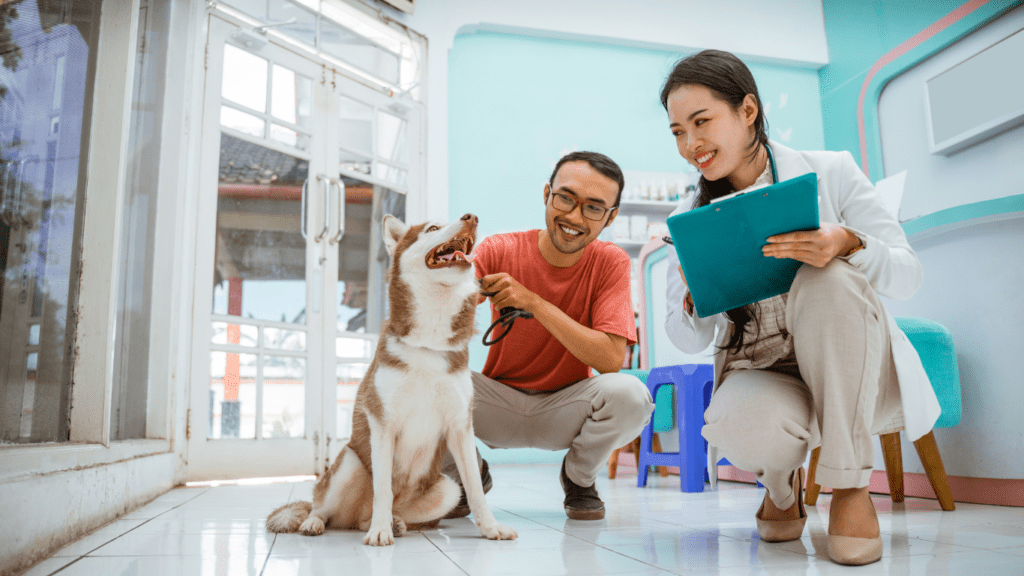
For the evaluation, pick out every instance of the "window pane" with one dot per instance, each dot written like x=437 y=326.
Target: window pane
x=48 y=51
x=239 y=335
x=355 y=162
x=245 y=123
x=349 y=376
x=356 y=126
x=391 y=174
x=284 y=339
x=232 y=395
x=289 y=137
x=391 y=138
x=245 y=78
x=284 y=397
x=292 y=96
x=353 y=348
x=362 y=259
x=260 y=263
x=135 y=304
x=358 y=51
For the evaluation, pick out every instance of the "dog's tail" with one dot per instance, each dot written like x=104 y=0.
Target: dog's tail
x=289 y=517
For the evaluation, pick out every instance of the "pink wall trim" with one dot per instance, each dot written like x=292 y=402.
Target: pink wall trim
x=993 y=491
x=915 y=41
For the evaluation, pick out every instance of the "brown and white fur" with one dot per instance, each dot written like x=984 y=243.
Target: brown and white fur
x=414 y=403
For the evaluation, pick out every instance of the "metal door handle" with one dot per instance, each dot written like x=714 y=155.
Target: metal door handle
x=327 y=207
x=341 y=210
x=302 y=223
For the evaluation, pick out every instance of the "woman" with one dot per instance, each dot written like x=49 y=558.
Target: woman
x=824 y=364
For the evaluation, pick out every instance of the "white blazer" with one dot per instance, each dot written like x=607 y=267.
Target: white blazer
x=845 y=197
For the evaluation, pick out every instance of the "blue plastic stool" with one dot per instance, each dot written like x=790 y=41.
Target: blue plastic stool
x=693 y=392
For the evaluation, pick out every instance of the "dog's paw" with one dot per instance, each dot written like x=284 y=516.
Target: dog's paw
x=379 y=536
x=312 y=526
x=398 y=526
x=498 y=532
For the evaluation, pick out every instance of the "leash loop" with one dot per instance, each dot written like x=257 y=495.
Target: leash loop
x=505 y=320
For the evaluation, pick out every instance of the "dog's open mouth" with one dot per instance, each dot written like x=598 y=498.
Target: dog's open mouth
x=455 y=252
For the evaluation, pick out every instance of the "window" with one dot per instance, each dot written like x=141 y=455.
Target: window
x=41 y=210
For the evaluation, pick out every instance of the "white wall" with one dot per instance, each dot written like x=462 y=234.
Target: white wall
x=789 y=32
x=972 y=274
x=987 y=170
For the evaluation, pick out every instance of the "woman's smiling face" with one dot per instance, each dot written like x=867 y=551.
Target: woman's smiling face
x=710 y=134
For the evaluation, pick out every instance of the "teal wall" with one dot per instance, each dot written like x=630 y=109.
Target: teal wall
x=516 y=104
x=860 y=32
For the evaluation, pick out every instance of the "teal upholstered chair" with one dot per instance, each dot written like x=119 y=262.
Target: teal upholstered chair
x=934 y=344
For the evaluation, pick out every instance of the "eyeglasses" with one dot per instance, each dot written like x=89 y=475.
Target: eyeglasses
x=566 y=203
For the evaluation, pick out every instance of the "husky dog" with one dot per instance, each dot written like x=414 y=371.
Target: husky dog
x=415 y=403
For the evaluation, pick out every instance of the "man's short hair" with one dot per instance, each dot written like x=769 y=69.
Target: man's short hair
x=597 y=161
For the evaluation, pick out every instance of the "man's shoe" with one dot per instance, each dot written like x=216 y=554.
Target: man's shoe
x=461 y=509
x=581 y=503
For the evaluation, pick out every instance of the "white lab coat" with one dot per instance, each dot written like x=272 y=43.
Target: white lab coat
x=845 y=197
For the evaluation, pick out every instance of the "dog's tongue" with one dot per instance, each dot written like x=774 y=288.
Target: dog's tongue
x=464 y=257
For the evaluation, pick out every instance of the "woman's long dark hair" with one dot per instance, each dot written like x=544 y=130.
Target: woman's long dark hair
x=729 y=79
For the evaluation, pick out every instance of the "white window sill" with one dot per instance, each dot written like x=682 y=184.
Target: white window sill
x=37 y=459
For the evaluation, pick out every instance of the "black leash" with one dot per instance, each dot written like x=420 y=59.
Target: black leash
x=507 y=316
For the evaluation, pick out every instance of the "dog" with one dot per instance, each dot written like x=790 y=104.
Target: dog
x=415 y=403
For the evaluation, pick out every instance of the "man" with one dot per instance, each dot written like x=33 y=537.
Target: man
x=536 y=390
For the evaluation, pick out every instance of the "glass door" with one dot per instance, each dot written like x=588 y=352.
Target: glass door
x=256 y=405
x=299 y=167
x=367 y=150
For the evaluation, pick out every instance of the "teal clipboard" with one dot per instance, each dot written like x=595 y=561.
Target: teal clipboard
x=719 y=245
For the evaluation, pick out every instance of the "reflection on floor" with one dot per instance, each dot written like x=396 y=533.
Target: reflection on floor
x=654 y=530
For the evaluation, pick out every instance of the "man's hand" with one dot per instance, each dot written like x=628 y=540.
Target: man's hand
x=814 y=247
x=599 y=350
x=509 y=292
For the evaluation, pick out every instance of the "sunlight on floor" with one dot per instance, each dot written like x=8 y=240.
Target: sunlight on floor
x=219 y=530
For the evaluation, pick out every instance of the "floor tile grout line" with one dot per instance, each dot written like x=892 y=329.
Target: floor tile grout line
x=147 y=521
x=594 y=544
x=267 y=559
x=452 y=560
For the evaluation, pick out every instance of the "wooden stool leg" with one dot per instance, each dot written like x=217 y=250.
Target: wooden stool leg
x=613 y=464
x=662 y=470
x=893 y=454
x=812 y=488
x=928 y=451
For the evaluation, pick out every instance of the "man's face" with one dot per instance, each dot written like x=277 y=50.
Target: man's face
x=570 y=231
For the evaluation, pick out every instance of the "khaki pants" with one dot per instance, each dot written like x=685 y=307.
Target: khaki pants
x=591 y=418
x=766 y=421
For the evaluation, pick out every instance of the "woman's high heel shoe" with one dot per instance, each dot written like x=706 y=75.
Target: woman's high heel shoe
x=855 y=551
x=784 y=530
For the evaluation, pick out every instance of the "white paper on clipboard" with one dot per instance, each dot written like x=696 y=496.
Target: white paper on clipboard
x=891 y=190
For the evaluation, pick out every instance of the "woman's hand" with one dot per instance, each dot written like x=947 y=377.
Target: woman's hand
x=814 y=247
x=688 y=301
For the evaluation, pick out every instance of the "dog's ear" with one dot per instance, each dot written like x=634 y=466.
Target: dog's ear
x=394 y=229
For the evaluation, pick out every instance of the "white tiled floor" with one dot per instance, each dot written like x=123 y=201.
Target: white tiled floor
x=656 y=530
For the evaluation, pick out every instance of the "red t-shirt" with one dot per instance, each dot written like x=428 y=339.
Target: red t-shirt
x=593 y=292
